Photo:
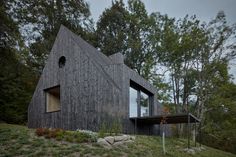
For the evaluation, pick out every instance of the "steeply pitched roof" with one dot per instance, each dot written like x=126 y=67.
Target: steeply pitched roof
x=96 y=56
x=89 y=49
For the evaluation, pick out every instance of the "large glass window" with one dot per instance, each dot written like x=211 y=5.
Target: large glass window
x=144 y=104
x=133 y=102
x=139 y=101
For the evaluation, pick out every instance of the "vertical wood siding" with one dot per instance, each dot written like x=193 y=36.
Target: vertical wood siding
x=94 y=88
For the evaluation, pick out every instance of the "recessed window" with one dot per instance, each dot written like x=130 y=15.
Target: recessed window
x=140 y=101
x=62 y=61
x=133 y=102
x=53 y=99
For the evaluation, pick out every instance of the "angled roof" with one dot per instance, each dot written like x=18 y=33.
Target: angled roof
x=96 y=56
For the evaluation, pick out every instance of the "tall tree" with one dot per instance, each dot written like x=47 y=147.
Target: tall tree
x=217 y=51
x=126 y=30
x=140 y=54
x=41 y=20
x=112 y=29
x=15 y=77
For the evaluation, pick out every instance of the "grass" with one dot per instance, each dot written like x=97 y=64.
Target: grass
x=18 y=140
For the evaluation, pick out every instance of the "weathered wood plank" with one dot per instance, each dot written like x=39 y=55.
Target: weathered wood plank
x=93 y=88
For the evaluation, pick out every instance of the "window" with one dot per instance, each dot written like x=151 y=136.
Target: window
x=53 y=99
x=144 y=104
x=140 y=101
x=62 y=61
x=133 y=102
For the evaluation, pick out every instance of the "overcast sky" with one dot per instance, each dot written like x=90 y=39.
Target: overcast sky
x=205 y=10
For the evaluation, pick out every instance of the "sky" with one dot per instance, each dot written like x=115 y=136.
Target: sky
x=205 y=10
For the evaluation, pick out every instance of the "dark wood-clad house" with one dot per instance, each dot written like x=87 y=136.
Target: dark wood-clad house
x=82 y=88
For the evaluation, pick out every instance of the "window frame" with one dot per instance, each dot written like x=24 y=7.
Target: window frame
x=46 y=92
x=140 y=89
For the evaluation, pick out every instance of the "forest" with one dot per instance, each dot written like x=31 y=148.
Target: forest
x=186 y=59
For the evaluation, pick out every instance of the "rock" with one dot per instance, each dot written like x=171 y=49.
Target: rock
x=132 y=137
x=110 y=139
x=126 y=137
x=197 y=149
x=128 y=141
x=118 y=143
x=189 y=150
x=119 y=138
x=103 y=142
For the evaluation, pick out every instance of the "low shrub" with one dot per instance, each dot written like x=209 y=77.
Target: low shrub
x=107 y=129
x=70 y=136
x=102 y=131
x=41 y=131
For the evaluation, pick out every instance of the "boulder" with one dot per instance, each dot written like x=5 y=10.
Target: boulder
x=120 y=138
x=132 y=137
x=103 y=142
x=118 y=143
x=128 y=141
x=126 y=137
x=189 y=150
x=110 y=139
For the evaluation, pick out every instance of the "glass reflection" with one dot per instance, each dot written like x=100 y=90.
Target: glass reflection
x=144 y=104
x=133 y=102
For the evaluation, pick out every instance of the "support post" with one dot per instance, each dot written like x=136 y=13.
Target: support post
x=163 y=140
x=188 y=131
x=200 y=134
x=195 y=132
x=135 y=126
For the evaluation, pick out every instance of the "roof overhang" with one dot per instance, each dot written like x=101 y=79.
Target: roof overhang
x=170 y=119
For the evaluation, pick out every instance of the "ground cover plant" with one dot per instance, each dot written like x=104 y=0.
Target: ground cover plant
x=16 y=140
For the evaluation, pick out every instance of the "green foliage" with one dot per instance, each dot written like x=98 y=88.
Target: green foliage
x=120 y=29
x=70 y=136
x=110 y=129
x=16 y=79
x=112 y=29
x=116 y=127
x=18 y=140
x=44 y=18
x=102 y=131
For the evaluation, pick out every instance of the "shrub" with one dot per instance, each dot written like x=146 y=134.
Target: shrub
x=92 y=136
x=102 y=130
x=42 y=131
x=47 y=133
x=70 y=136
x=114 y=129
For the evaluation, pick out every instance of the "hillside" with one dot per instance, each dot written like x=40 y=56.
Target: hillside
x=18 y=140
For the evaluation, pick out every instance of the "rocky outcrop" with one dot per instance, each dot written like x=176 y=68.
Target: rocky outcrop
x=110 y=141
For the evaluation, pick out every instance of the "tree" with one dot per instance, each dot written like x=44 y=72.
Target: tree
x=196 y=56
x=213 y=59
x=15 y=77
x=41 y=20
x=127 y=30
x=112 y=29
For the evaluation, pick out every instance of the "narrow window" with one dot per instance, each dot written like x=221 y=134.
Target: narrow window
x=62 y=61
x=133 y=102
x=53 y=99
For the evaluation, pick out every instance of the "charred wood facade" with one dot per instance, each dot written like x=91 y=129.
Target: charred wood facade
x=94 y=88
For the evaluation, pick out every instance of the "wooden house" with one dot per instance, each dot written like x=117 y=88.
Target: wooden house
x=81 y=88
